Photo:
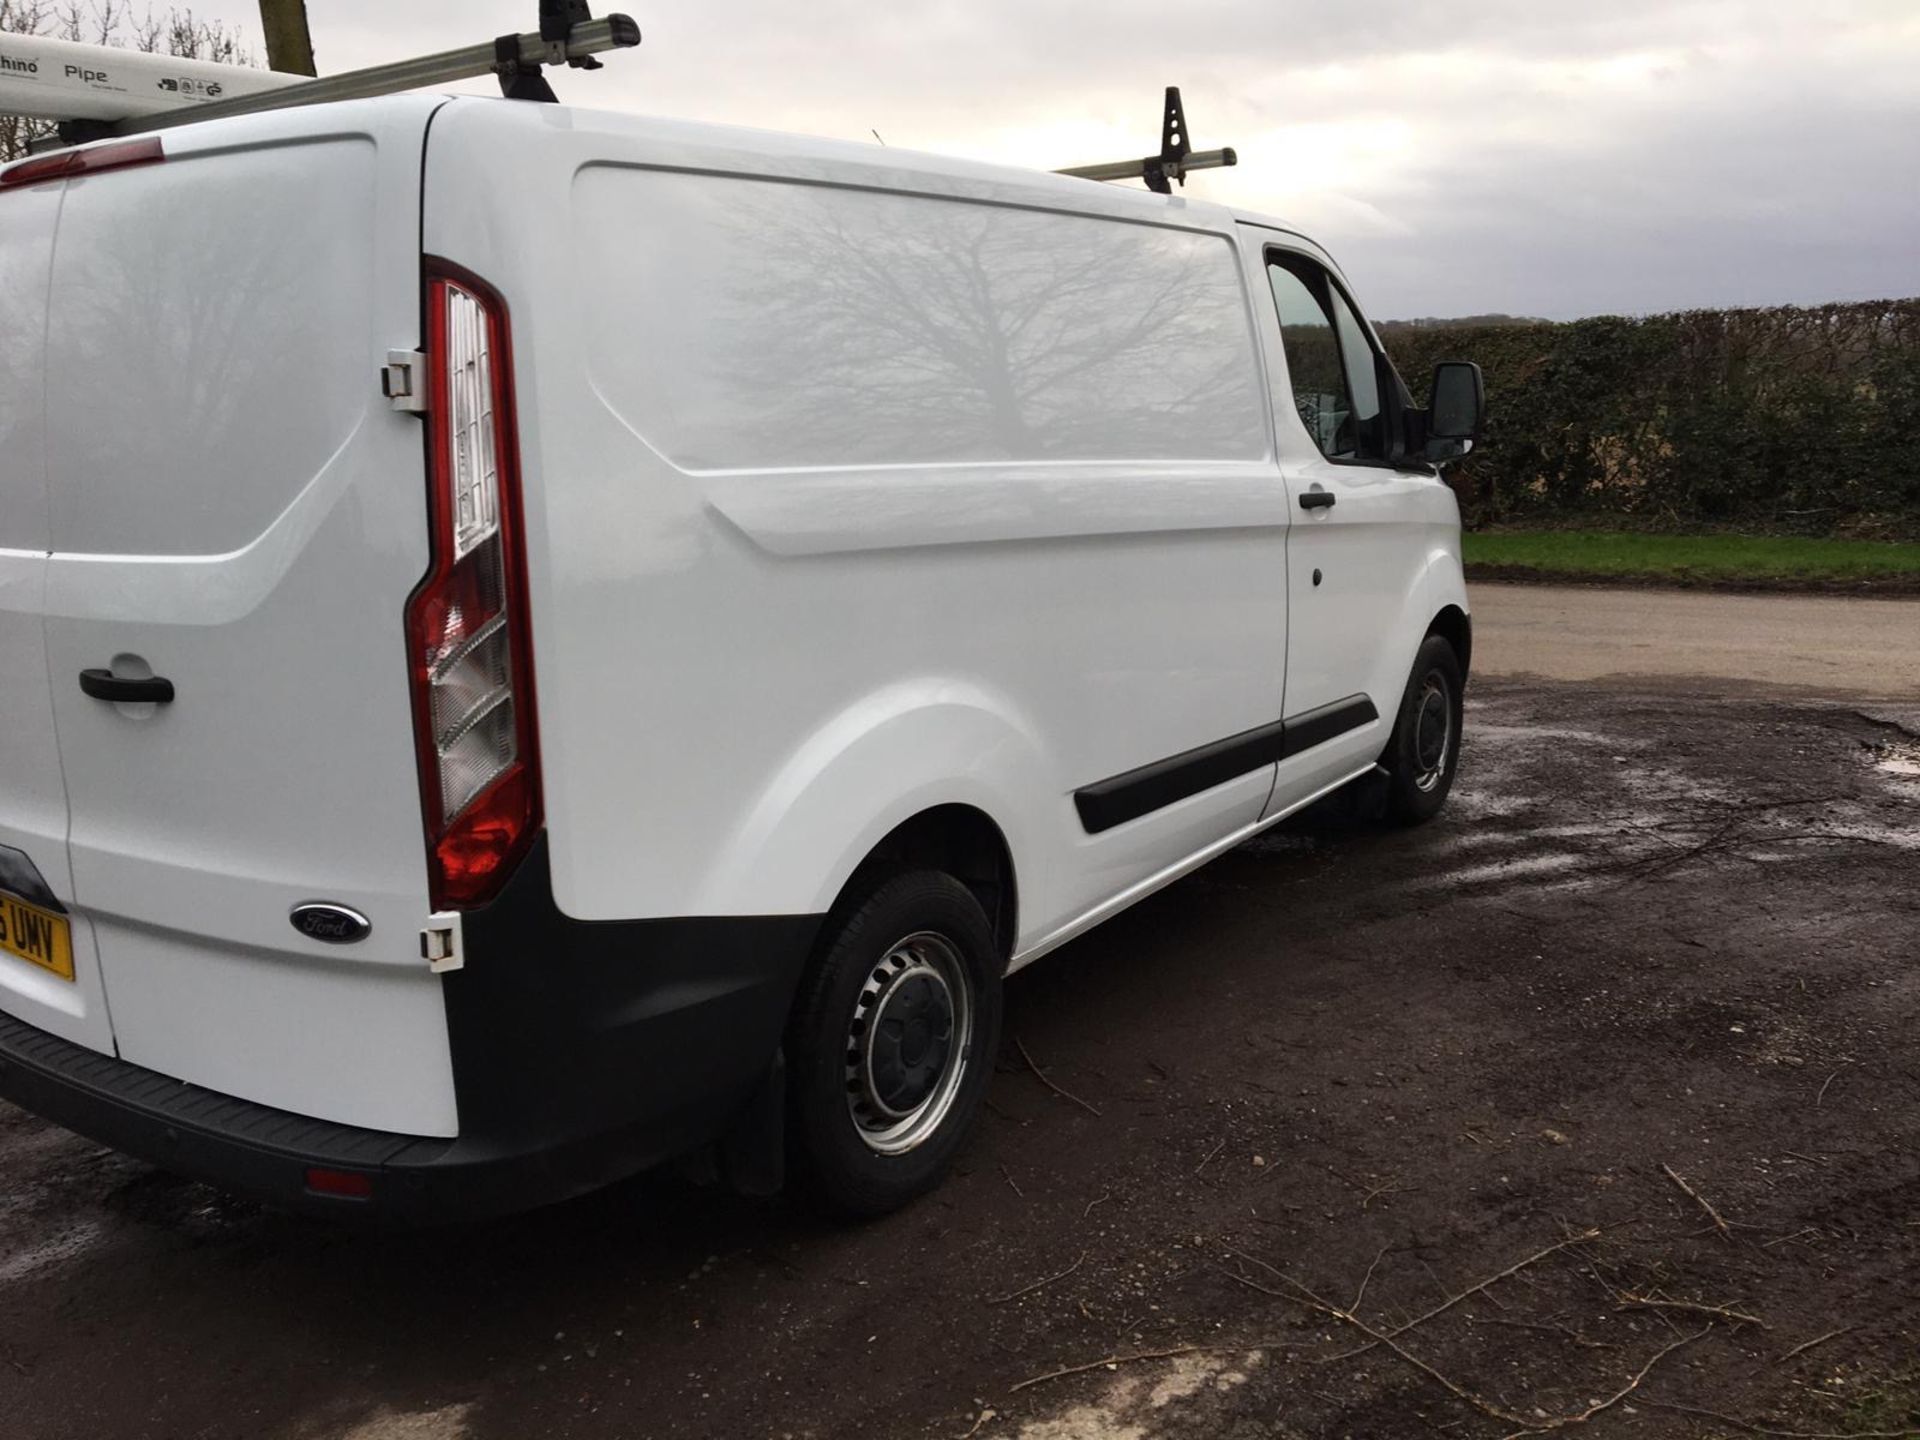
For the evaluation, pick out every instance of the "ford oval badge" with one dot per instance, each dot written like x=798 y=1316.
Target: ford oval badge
x=335 y=924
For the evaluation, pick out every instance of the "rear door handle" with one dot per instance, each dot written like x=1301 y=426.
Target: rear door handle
x=105 y=685
x=1316 y=499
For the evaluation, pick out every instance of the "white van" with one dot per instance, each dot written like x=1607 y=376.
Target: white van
x=536 y=642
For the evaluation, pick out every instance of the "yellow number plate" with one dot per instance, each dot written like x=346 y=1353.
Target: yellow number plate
x=36 y=936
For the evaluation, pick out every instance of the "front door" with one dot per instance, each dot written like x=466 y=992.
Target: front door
x=1356 y=555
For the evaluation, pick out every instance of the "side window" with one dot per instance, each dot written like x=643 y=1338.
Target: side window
x=1330 y=363
x=1362 y=378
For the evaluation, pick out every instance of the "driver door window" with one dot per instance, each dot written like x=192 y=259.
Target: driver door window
x=1330 y=363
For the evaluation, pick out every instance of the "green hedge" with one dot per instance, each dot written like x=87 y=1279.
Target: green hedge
x=1782 y=419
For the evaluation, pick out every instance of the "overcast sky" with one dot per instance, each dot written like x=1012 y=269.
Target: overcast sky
x=1541 y=157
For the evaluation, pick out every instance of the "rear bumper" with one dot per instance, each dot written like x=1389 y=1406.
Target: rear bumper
x=582 y=1052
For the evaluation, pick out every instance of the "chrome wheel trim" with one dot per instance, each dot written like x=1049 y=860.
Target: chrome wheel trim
x=925 y=964
x=1432 y=733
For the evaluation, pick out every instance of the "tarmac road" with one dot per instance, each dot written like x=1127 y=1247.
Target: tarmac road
x=1819 y=643
x=1657 y=940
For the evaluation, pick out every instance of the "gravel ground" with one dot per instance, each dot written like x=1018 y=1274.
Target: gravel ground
x=1630 y=1027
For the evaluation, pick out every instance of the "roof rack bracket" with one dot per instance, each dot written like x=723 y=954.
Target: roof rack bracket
x=1177 y=155
x=80 y=132
x=557 y=21
x=520 y=79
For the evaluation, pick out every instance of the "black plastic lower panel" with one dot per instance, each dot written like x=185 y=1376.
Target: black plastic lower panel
x=601 y=1047
x=1327 y=722
x=186 y=1128
x=1120 y=798
x=582 y=1052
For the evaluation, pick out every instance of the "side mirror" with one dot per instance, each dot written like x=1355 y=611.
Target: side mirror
x=1456 y=410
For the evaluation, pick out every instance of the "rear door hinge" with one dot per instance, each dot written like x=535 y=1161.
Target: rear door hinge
x=403 y=380
x=440 y=943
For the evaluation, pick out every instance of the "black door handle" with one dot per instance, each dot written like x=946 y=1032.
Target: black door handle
x=1316 y=499
x=105 y=685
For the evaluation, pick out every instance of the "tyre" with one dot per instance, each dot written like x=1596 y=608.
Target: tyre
x=891 y=1045
x=1424 y=751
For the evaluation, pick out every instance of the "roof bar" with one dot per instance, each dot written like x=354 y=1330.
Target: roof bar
x=509 y=54
x=1175 y=159
x=1137 y=169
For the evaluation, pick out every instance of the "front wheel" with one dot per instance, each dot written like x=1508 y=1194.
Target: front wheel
x=1424 y=751
x=891 y=1043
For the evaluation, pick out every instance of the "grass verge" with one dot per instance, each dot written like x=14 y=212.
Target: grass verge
x=1736 y=561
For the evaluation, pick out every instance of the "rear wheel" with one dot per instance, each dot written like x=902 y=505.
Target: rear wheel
x=891 y=1043
x=1424 y=751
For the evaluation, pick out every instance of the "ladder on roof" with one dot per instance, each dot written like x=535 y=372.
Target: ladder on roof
x=105 y=91
x=1175 y=159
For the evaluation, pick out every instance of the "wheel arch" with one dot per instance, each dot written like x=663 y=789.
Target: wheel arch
x=1455 y=626
x=964 y=842
x=928 y=770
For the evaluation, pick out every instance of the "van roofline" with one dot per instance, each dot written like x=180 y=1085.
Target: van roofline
x=880 y=160
x=869 y=164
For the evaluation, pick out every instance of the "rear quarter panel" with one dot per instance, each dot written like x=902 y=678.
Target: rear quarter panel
x=735 y=700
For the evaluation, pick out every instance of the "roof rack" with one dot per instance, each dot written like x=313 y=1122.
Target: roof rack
x=568 y=35
x=187 y=92
x=1175 y=159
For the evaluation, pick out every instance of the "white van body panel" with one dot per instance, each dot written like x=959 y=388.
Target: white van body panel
x=1277 y=809
x=929 y=607
x=265 y=574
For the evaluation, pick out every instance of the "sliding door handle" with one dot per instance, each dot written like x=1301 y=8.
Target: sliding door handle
x=1316 y=499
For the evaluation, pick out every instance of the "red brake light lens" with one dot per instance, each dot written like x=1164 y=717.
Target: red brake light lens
x=467 y=630
x=67 y=163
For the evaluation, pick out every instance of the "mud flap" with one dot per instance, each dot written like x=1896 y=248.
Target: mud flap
x=752 y=1154
x=1360 y=802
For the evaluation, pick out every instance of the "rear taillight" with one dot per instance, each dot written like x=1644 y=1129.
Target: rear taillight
x=467 y=623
